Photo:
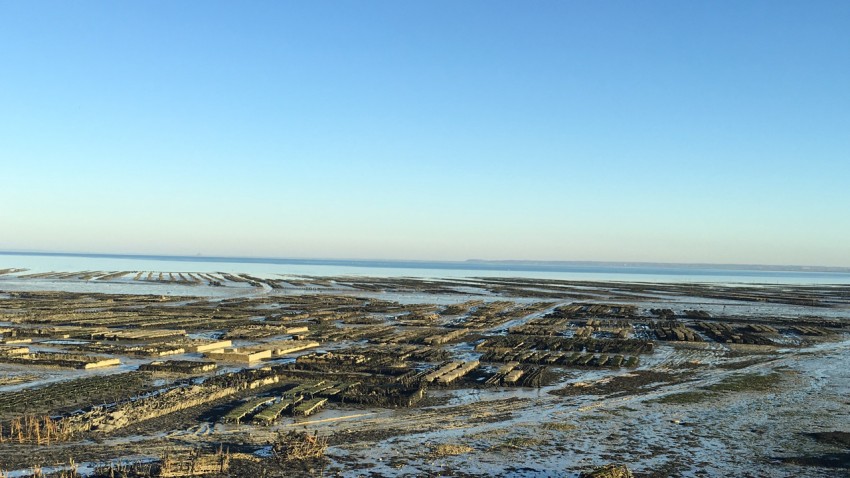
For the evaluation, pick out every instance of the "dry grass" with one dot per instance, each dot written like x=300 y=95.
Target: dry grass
x=518 y=443
x=449 y=449
x=736 y=383
x=561 y=427
x=489 y=434
x=295 y=446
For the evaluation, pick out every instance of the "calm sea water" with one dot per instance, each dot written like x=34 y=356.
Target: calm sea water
x=318 y=267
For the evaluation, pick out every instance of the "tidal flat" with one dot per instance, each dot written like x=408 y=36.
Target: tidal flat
x=149 y=373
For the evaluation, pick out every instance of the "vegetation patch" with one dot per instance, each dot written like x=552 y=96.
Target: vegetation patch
x=737 y=383
x=561 y=427
x=449 y=449
x=295 y=446
x=609 y=471
x=750 y=382
x=837 y=438
x=519 y=443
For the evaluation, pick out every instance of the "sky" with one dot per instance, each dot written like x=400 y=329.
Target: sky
x=668 y=131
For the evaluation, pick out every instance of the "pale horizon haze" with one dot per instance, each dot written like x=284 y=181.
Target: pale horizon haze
x=657 y=131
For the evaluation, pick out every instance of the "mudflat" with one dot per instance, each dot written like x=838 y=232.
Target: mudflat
x=247 y=375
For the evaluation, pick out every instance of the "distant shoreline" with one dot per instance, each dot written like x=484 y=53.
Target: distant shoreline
x=472 y=264
x=676 y=265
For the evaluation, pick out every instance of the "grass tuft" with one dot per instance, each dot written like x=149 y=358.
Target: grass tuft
x=449 y=449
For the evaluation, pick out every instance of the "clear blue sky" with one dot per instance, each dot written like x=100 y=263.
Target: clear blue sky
x=678 y=131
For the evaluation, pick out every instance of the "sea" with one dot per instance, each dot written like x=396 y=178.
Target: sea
x=273 y=267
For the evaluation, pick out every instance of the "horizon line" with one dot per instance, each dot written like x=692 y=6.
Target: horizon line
x=536 y=262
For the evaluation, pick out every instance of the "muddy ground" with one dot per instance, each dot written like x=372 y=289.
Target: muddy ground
x=683 y=380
